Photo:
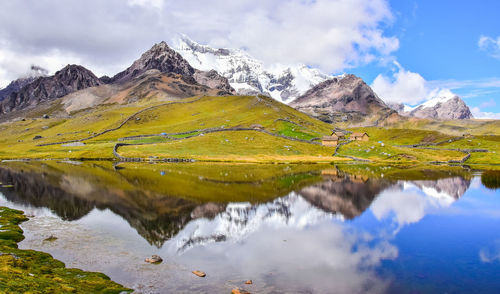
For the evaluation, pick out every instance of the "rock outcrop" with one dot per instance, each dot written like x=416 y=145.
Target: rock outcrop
x=213 y=80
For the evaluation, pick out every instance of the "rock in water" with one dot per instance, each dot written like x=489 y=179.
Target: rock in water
x=239 y=291
x=249 y=282
x=199 y=274
x=50 y=238
x=154 y=259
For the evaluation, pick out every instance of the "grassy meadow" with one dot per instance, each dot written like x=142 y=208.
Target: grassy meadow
x=279 y=133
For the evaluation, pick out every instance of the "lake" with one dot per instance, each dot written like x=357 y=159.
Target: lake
x=288 y=228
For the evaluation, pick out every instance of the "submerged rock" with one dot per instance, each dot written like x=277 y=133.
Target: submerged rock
x=50 y=238
x=199 y=274
x=154 y=259
x=239 y=291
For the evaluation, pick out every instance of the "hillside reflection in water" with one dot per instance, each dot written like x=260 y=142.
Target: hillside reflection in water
x=325 y=229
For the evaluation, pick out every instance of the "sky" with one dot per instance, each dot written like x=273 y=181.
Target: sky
x=409 y=51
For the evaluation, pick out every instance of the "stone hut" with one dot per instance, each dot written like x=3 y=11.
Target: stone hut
x=360 y=137
x=340 y=135
x=330 y=141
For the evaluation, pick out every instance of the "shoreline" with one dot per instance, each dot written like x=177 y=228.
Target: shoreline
x=27 y=270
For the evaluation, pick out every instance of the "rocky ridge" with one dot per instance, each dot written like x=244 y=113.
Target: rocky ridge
x=68 y=80
x=16 y=85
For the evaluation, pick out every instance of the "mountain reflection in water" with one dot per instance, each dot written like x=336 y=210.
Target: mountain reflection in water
x=158 y=212
x=157 y=201
x=325 y=229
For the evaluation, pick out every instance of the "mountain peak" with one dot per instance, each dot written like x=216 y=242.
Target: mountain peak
x=73 y=70
x=446 y=105
x=341 y=98
x=449 y=106
x=160 y=57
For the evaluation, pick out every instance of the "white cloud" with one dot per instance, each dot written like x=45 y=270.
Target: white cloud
x=403 y=87
x=410 y=88
x=478 y=113
x=407 y=87
x=14 y=64
x=490 y=45
x=490 y=253
x=155 y=4
x=109 y=35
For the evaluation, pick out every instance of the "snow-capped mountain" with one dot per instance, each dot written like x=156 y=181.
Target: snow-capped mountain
x=445 y=105
x=248 y=75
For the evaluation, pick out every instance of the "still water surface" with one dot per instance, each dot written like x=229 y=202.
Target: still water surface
x=290 y=229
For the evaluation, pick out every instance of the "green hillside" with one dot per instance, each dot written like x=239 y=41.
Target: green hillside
x=225 y=128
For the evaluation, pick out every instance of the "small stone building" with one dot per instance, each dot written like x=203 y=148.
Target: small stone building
x=340 y=135
x=360 y=137
x=330 y=141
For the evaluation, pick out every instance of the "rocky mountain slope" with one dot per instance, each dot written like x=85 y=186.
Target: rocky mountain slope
x=16 y=85
x=150 y=85
x=446 y=106
x=69 y=79
x=248 y=75
x=344 y=98
x=161 y=57
x=159 y=72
